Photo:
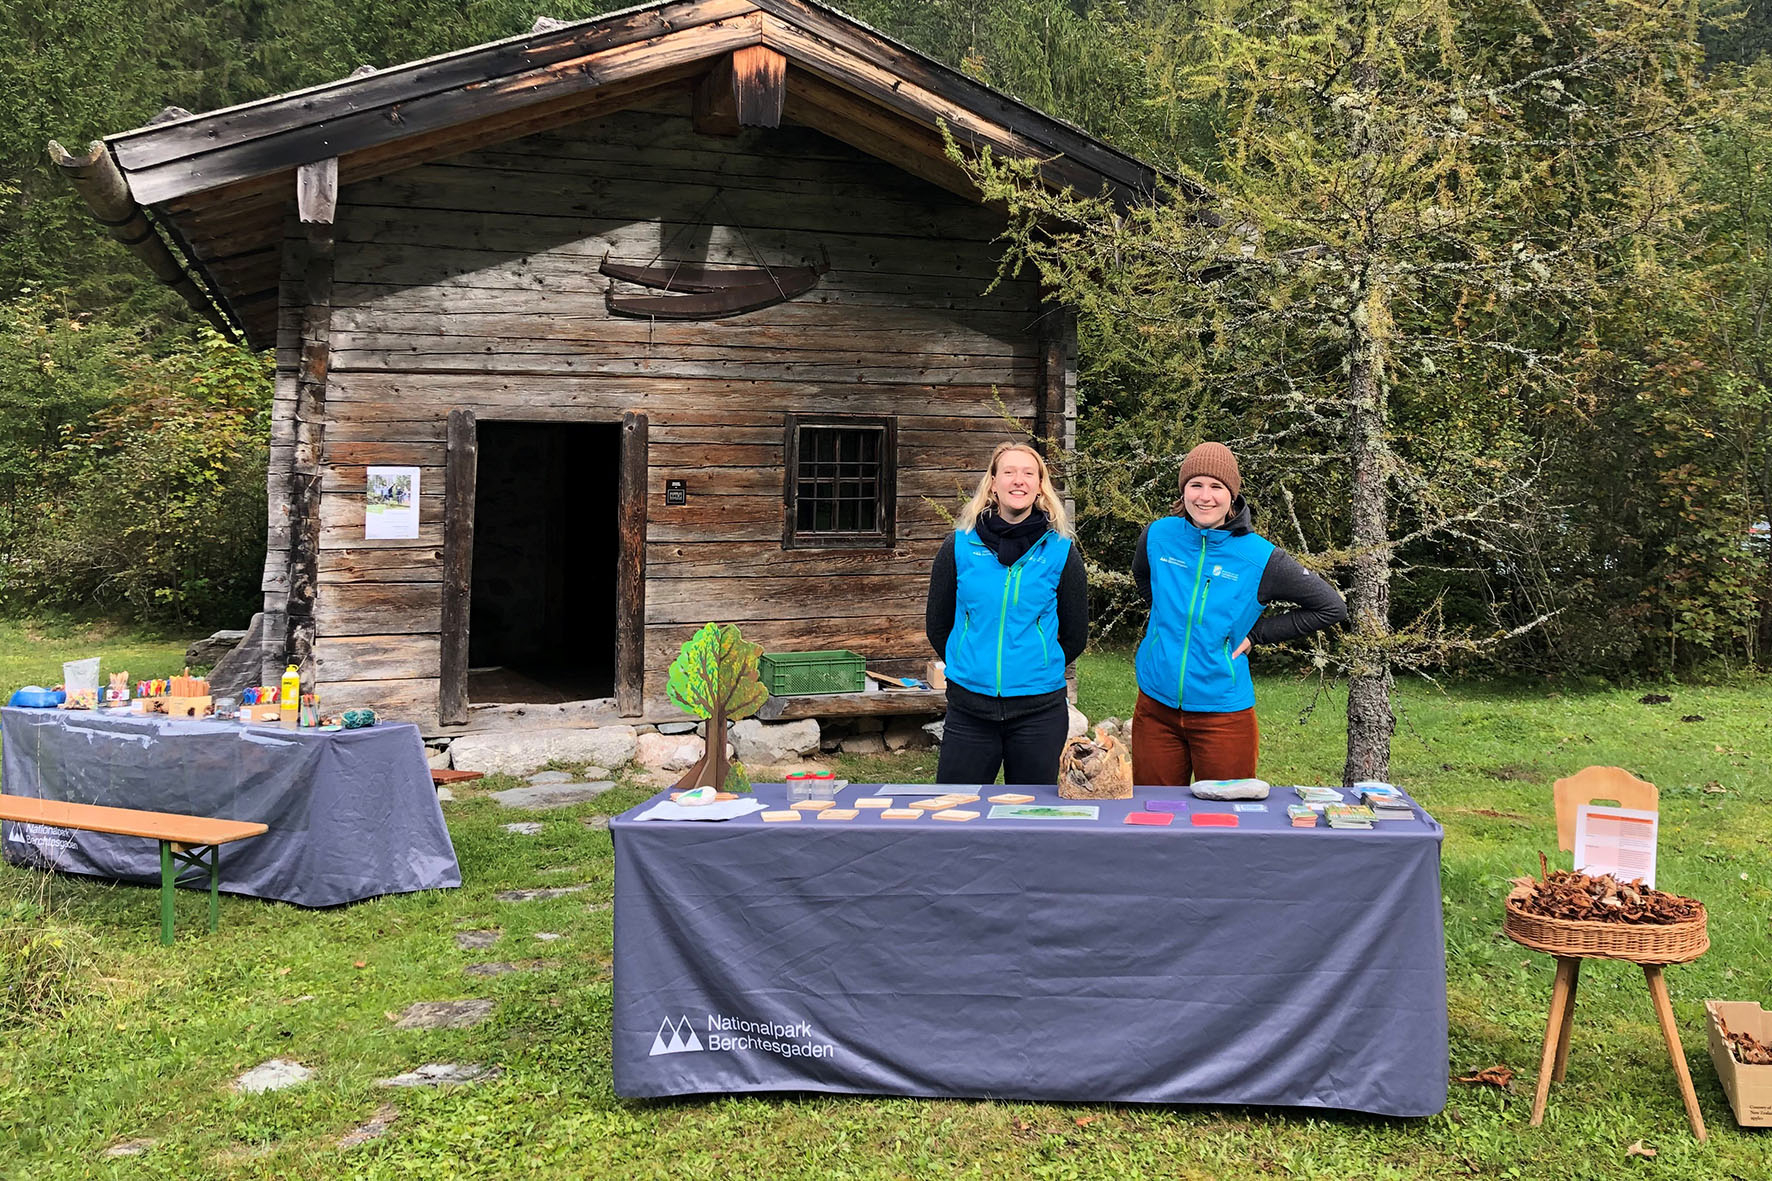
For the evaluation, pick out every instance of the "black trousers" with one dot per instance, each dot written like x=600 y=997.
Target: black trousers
x=975 y=746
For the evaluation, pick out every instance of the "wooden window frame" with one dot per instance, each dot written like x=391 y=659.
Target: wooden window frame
x=887 y=501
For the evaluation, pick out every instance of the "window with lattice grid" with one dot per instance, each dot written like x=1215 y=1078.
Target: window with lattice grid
x=841 y=481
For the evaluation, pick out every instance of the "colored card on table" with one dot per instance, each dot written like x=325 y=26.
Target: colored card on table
x=1248 y=807
x=1165 y=805
x=1150 y=817
x=1213 y=820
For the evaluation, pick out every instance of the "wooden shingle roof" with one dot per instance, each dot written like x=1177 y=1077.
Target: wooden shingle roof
x=221 y=184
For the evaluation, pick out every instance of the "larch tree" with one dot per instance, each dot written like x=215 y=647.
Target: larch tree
x=1414 y=207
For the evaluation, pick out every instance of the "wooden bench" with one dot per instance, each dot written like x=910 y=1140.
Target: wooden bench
x=194 y=841
x=442 y=777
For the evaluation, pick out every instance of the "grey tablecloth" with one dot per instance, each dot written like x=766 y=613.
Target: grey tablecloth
x=1048 y=960
x=352 y=813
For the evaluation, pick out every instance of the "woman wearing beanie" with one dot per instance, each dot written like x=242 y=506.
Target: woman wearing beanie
x=1207 y=576
x=1008 y=609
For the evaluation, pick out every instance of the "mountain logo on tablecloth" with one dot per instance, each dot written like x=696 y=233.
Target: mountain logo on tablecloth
x=681 y=1039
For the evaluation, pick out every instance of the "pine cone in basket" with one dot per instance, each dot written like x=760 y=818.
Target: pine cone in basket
x=1561 y=894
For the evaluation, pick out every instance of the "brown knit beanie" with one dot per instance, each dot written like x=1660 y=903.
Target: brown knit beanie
x=1215 y=460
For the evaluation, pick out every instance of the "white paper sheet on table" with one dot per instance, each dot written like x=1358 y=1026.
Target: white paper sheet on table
x=919 y=789
x=718 y=810
x=1618 y=841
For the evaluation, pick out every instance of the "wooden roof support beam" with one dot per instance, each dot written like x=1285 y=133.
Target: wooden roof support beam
x=96 y=178
x=746 y=88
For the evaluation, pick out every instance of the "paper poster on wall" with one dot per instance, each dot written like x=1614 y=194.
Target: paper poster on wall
x=392 y=508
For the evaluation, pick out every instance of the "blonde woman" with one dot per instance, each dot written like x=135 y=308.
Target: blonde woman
x=1008 y=610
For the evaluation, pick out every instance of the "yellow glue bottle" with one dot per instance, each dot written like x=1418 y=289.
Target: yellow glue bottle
x=289 y=696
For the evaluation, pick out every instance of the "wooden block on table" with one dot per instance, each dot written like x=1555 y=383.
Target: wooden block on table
x=813 y=805
x=901 y=814
x=838 y=814
x=961 y=799
x=1011 y=797
x=932 y=805
x=956 y=814
x=777 y=817
x=872 y=802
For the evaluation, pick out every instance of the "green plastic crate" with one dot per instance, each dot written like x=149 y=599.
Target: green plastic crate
x=790 y=674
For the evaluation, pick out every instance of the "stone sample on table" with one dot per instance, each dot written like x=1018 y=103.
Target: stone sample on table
x=517 y=751
x=1230 y=789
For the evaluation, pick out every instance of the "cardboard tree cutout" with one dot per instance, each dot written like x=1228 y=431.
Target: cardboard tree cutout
x=715 y=677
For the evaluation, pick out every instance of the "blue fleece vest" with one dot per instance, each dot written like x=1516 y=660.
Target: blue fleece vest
x=1203 y=585
x=1005 y=637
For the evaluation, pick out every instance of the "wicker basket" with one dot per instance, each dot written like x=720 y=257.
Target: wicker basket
x=1640 y=943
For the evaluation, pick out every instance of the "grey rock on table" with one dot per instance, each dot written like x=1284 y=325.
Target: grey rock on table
x=1230 y=789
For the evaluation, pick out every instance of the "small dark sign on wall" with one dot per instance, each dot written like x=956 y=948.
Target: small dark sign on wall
x=676 y=492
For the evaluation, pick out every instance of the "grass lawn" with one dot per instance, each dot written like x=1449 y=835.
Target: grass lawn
x=32 y=651
x=149 y=1048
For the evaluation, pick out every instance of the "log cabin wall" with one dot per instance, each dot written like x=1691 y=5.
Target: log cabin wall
x=472 y=283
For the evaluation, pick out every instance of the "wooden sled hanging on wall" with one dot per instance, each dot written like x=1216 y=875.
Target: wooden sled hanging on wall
x=702 y=291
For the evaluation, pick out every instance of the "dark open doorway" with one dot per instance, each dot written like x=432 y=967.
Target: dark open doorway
x=543 y=604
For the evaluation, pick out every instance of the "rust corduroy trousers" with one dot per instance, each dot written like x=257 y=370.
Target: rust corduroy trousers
x=1171 y=748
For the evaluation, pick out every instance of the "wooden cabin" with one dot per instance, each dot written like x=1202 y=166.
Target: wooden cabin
x=680 y=314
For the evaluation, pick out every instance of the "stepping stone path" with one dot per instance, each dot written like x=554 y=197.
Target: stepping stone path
x=476 y=940
x=523 y=828
x=463 y=1014
x=548 y=936
x=541 y=796
x=274 y=1075
x=541 y=777
x=534 y=895
x=372 y=1129
x=599 y=823
x=130 y=1147
x=506 y=967
x=443 y=1074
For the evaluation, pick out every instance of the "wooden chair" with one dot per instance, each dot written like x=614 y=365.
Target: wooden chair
x=1613 y=785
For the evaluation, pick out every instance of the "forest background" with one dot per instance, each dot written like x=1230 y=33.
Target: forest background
x=1614 y=457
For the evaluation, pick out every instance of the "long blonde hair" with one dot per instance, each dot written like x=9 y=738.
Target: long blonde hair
x=985 y=498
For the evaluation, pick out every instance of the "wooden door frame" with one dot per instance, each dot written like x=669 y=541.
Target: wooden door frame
x=460 y=486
